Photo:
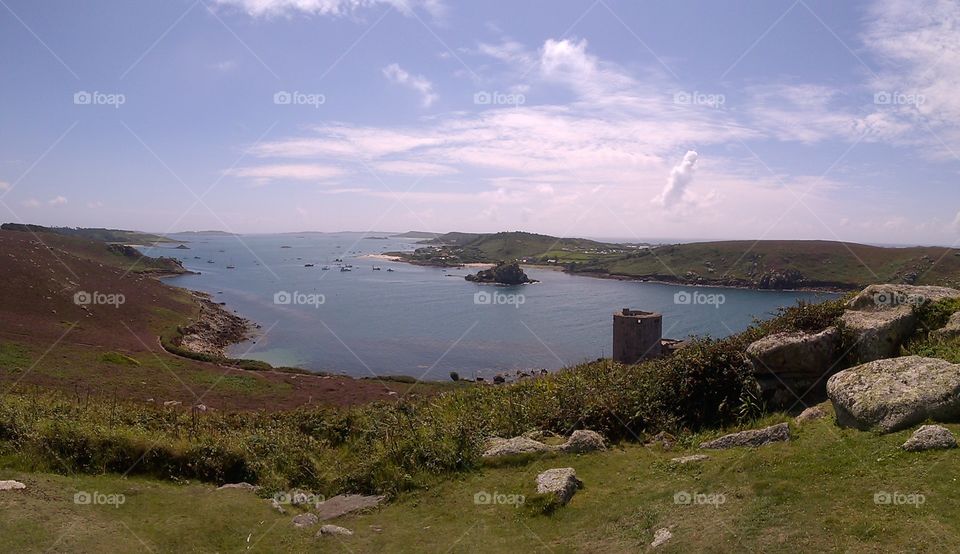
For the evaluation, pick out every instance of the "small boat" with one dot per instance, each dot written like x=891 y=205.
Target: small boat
x=325 y=268
x=376 y=268
x=231 y=267
x=389 y=269
x=345 y=268
x=307 y=265
x=210 y=261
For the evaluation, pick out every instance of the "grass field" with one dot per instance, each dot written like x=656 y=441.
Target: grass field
x=814 y=493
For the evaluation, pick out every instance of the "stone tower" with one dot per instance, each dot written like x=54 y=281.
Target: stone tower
x=636 y=335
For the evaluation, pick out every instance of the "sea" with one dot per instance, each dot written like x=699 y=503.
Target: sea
x=387 y=317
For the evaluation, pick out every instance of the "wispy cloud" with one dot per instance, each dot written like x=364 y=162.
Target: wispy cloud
x=419 y=83
x=332 y=8
x=300 y=172
x=57 y=201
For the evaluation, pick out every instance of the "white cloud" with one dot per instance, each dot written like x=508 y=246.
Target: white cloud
x=332 y=8
x=419 y=83
x=300 y=172
x=31 y=203
x=403 y=167
x=680 y=178
x=57 y=201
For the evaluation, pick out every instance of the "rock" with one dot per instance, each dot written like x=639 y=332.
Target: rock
x=930 y=437
x=753 y=438
x=305 y=520
x=331 y=530
x=275 y=504
x=11 y=486
x=345 y=504
x=664 y=439
x=660 y=537
x=896 y=393
x=795 y=354
x=878 y=334
x=812 y=413
x=561 y=482
x=690 y=459
x=502 y=274
x=242 y=486
x=514 y=446
x=949 y=331
x=888 y=296
x=584 y=441
x=539 y=435
x=169 y=403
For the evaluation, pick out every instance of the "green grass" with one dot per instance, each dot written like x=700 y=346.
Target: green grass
x=14 y=356
x=118 y=359
x=813 y=494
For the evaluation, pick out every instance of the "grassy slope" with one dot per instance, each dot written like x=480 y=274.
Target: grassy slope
x=97 y=234
x=815 y=493
x=823 y=261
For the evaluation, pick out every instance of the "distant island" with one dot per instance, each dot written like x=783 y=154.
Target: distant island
x=765 y=264
x=216 y=233
x=119 y=236
x=504 y=273
x=416 y=235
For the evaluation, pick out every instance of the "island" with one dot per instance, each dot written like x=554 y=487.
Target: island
x=504 y=273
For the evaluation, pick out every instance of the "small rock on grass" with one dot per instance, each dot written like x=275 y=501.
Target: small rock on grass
x=584 y=440
x=930 y=437
x=660 y=537
x=305 y=520
x=330 y=530
x=562 y=482
x=242 y=486
x=752 y=438
x=11 y=486
x=812 y=413
x=690 y=459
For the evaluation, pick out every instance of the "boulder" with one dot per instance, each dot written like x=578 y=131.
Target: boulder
x=539 y=435
x=515 y=446
x=753 y=438
x=812 y=413
x=11 y=486
x=930 y=437
x=584 y=441
x=797 y=354
x=683 y=460
x=949 y=331
x=343 y=504
x=888 y=296
x=660 y=537
x=896 y=393
x=878 y=334
x=305 y=520
x=331 y=530
x=561 y=482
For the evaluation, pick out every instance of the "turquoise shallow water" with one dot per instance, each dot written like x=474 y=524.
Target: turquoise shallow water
x=427 y=322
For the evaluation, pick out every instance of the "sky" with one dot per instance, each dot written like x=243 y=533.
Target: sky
x=766 y=119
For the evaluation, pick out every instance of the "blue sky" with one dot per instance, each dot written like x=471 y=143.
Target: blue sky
x=755 y=119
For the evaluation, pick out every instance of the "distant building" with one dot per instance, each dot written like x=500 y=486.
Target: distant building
x=636 y=335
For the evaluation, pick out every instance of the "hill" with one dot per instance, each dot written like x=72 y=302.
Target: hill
x=103 y=235
x=766 y=264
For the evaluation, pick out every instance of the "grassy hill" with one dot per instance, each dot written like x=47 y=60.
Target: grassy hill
x=103 y=235
x=755 y=264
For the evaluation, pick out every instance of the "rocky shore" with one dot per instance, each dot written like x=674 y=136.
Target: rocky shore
x=214 y=330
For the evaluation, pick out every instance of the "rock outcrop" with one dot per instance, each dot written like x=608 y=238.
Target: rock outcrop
x=896 y=393
x=930 y=437
x=797 y=361
x=584 y=440
x=343 y=504
x=888 y=296
x=504 y=273
x=752 y=438
x=11 y=485
x=878 y=334
x=812 y=413
x=561 y=482
x=660 y=537
x=949 y=331
x=305 y=520
x=498 y=447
